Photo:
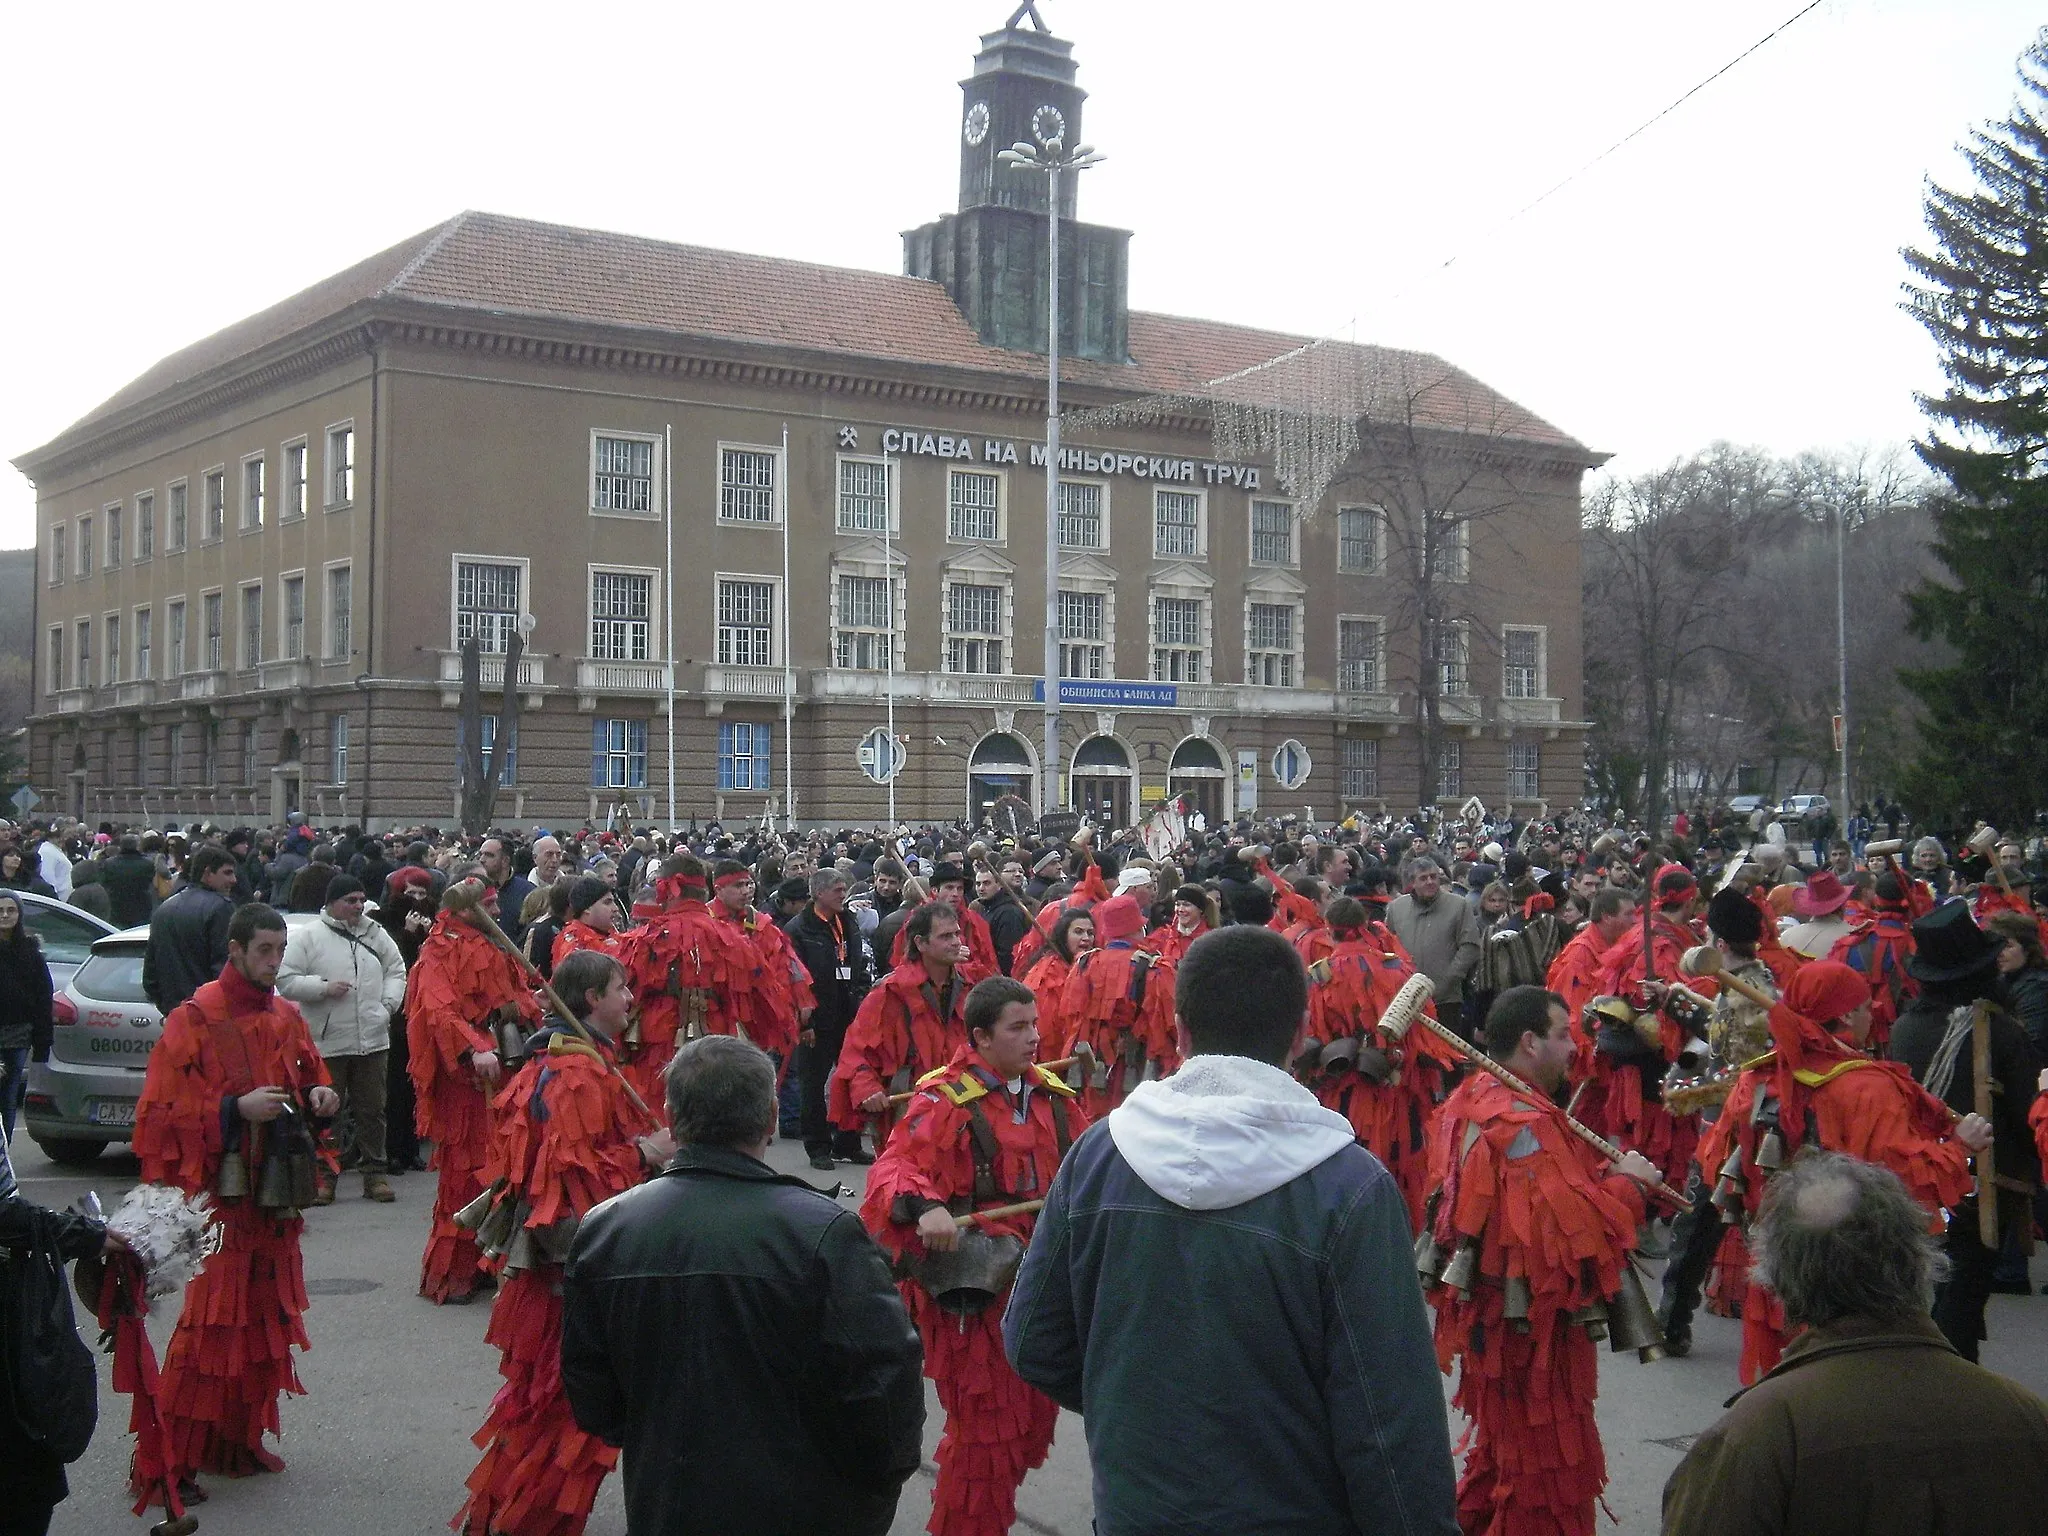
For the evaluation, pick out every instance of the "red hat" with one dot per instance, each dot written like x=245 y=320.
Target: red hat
x=1822 y=893
x=1679 y=893
x=1117 y=918
x=409 y=878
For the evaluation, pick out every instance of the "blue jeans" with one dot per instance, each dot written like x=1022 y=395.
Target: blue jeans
x=13 y=1086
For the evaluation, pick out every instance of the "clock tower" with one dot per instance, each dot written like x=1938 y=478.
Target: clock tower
x=991 y=255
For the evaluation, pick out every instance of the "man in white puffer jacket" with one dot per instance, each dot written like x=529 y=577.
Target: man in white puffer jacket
x=348 y=978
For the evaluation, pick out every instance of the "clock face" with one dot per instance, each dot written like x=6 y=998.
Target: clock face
x=1048 y=126
x=976 y=128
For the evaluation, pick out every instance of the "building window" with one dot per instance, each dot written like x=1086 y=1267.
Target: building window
x=1453 y=647
x=294 y=636
x=143 y=625
x=250 y=749
x=1083 y=647
x=337 y=740
x=1450 y=555
x=486 y=604
x=113 y=537
x=85 y=546
x=746 y=485
x=1270 y=630
x=341 y=466
x=1176 y=524
x=209 y=753
x=973 y=506
x=1525 y=770
x=864 y=495
x=746 y=624
x=1358 y=656
x=56 y=644
x=252 y=626
x=174 y=519
x=744 y=755
x=341 y=626
x=84 y=653
x=974 y=628
x=865 y=629
x=622 y=475
x=211 y=656
x=112 y=659
x=1081 y=524
x=1177 y=640
x=621 y=615
x=1521 y=664
x=253 y=480
x=618 y=754
x=174 y=640
x=294 y=481
x=174 y=753
x=1450 y=772
x=509 y=773
x=1272 y=533
x=145 y=526
x=56 y=554
x=1358 y=538
x=1358 y=769
x=216 y=510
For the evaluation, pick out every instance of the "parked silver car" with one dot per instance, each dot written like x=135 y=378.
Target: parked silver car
x=84 y=1096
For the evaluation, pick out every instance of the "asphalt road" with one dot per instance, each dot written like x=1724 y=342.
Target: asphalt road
x=380 y=1445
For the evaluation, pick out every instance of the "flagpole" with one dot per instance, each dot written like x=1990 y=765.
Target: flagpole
x=788 y=662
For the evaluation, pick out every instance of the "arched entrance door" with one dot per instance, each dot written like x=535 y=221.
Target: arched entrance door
x=1000 y=765
x=1102 y=780
x=1197 y=772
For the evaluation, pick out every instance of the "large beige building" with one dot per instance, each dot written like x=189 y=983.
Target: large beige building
x=259 y=560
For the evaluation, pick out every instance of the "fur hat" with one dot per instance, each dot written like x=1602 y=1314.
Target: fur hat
x=1734 y=918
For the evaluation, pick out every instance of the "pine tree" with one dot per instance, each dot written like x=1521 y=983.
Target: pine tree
x=1982 y=293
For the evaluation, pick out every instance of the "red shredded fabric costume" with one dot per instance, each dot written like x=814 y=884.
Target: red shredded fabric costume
x=230 y=1358
x=1119 y=1007
x=564 y=1142
x=905 y=1023
x=577 y=934
x=460 y=979
x=1087 y=891
x=780 y=991
x=1628 y=1112
x=968 y=1143
x=1877 y=949
x=980 y=963
x=1540 y=1205
x=1576 y=975
x=1820 y=1091
x=1047 y=979
x=691 y=974
x=1169 y=943
x=1390 y=1097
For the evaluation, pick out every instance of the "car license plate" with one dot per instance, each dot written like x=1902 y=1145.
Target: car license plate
x=112 y=1112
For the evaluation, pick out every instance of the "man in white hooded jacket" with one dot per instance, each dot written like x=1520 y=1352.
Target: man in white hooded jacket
x=1222 y=1283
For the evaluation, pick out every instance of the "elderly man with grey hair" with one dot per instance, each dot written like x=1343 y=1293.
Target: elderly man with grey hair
x=1871 y=1422
x=1439 y=931
x=737 y=1331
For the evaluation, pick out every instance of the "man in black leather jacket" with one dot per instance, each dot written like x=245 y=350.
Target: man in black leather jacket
x=827 y=939
x=188 y=935
x=737 y=1332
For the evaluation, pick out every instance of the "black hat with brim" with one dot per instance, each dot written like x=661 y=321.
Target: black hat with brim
x=1949 y=946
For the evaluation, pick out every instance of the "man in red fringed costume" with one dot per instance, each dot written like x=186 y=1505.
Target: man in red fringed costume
x=1632 y=1112
x=910 y=1023
x=1119 y=1006
x=779 y=998
x=1878 y=949
x=566 y=1139
x=691 y=974
x=989 y=1129
x=977 y=944
x=1550 y=1226
x=593 y=921
x=233 y=1062
x=460 y=985
x=1388 y=1087
x=1819 y=1089
x=1579 y=973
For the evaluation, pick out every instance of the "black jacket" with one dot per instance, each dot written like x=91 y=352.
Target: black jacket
x=1008 y=922
x=25 y=996
x=1917 y=1035
x=738 y=1334
x=837 y=1000
x=130 y=879
x=188 y=944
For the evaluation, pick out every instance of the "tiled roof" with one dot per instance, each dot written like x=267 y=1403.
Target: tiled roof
x=488 y=264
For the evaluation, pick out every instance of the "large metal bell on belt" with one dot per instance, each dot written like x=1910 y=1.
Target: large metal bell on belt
x=967 y=1280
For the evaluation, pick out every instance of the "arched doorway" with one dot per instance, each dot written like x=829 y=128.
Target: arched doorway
x=1001 y=764
x=1197 y=772
x=286 y=779
x=1102 y=780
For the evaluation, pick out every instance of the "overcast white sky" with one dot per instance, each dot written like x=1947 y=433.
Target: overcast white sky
x=1301 y=164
